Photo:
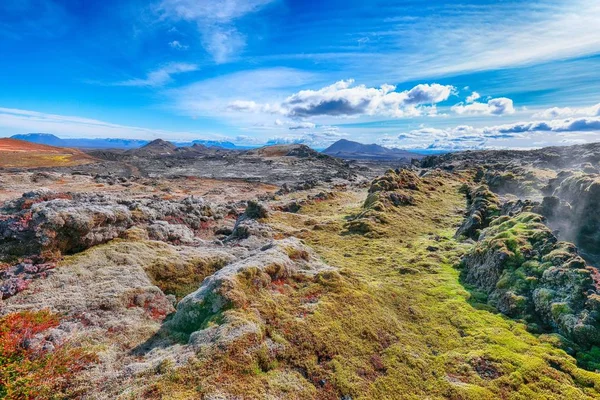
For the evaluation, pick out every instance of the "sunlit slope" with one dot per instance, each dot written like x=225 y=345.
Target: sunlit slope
x=20 y=154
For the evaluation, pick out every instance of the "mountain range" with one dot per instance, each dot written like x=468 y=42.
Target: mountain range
x=108 y=143
x=353 y=150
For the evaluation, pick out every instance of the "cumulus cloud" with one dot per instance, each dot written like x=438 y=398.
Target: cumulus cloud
x=302 y=125
x=474 y=96
x=215 y=21
x=160 y=77
x=316 y=139
x=315 y=136
x=497 y=106
x=563 y=112
x=465 y=136
x=563 y=125
x=344 y=99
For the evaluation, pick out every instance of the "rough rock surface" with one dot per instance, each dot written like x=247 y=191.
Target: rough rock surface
x=394 y=189
x=482 y=207
x=51 y=224
x=572 y=209
x=528 y=274
x=280 y=259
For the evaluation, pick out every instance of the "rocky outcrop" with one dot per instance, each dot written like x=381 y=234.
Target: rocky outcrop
x=396 y=188
x=572 y=209
x=50 y=224
x=396 y=180
x=528 y=274
x=482 y=207
x=279 y=260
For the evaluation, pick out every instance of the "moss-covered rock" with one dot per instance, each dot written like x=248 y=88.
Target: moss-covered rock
x=394 y=189
x=528 y=274
x=482 y=207
x=394 y=180
x=572 y=209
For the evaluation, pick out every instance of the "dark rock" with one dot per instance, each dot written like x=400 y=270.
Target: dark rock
x=256 y=210
x=482 y=207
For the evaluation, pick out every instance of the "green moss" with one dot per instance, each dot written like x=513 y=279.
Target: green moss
x=371 y=331
x=181 y=278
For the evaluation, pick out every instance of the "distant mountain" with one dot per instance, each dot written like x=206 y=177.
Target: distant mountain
x=289 y=150
x=214 y=143
x=107 y=143
x=353 y=150
x=51 y=140
x=156 y=147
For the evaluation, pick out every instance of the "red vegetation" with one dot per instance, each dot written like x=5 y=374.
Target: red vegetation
x=31 y=372
x=27 y=203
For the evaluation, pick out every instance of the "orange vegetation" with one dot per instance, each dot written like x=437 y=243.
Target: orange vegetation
x=21 y=154
x=28 y=372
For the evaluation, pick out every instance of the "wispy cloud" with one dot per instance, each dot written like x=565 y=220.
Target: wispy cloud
x=557 y=112
x=302 y=125
x=176 y=44
x=215 y=21
x=24 y=121
x=160 y=77
x=485 y=37
x=220 y=97
x=451 y=40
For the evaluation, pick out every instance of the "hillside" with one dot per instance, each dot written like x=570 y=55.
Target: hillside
x=353 y=150
x=156 y=147
x=18 y=153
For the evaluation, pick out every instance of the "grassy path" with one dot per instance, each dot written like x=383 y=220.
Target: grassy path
x=393 y=323
x=400 y=325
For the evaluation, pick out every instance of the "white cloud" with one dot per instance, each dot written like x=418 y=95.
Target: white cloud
x=560 y=125
x=215 y=21
x=160 y=77
x=223 y=43
x=24 y=121
x=244 y=106
x=175 y=44
x=320 y=138
x=474 y=96
x=563 y=112
x=344 y=99
x=222 y=11
x=498 y=106
x=221 y=97
x=555 y=132
x=476 y=38
x=302 y=125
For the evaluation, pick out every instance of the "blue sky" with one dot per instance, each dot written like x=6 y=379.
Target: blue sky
x=413 y=74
